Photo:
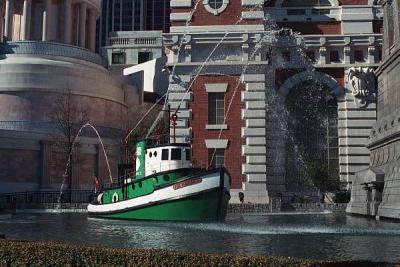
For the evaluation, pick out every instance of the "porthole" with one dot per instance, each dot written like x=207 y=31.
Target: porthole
x=150 y=154
x=166 y=178
x=140 y=184
x=115 y=197
x=155 y=153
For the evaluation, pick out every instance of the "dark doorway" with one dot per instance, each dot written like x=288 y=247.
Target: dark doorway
x=312 y=149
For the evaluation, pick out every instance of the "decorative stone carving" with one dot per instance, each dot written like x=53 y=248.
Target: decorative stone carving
x=362 y=83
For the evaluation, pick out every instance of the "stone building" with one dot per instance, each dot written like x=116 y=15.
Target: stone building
x=242 y=85
x=48 y=54
x=132 y=15
x=375 y=191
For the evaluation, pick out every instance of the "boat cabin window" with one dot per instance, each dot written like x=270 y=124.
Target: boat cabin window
x=164 y=154
x=176 y=154
x=188 y=154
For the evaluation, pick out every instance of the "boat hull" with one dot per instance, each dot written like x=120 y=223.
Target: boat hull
x=200 y=198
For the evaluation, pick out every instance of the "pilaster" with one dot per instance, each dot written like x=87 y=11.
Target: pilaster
x=254 y=132
x=179 y=99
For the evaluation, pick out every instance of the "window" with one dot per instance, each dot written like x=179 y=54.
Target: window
x=334 y=56
x=292 y=12
x=176 y=154
x=118 y=58
x=216 y=157
x=144 y=57
x=320 y=11
x=215 y=7
x=216 y=108
x=359 y=56
x=215 y=4
x=164 y=154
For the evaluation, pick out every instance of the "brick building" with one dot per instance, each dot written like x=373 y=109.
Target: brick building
x=266 y=103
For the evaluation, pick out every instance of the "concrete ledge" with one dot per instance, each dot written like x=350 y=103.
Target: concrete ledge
x=216 y=127
x=216 y=143
x=256 y=114
x=255 y=122
x=253 y=15
x=253 y=96
x=185 y=16
x=253 y=132
x=256 y=141
x=252 y=2
x=181 y=3
x=253 y=77
x=216 y=87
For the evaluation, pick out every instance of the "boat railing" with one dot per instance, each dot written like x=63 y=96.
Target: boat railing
x=118 y=181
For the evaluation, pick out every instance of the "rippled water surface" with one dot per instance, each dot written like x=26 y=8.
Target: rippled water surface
x=316 y=236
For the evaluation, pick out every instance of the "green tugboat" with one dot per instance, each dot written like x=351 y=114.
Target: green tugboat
x=165 y=187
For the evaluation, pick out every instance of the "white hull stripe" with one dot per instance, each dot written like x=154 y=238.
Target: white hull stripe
x=209 y=182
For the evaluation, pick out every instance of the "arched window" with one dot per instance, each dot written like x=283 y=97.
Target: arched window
x=304 y=3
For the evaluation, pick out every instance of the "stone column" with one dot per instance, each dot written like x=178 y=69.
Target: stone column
x=67 y=21
x=82 y=24
x=26 y=17
x=92 y=30
x=8 y=27
x=46 y=21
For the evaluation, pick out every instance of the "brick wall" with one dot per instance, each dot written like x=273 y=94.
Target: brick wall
x=199 y=106
x=230 y=16
x=320 y=27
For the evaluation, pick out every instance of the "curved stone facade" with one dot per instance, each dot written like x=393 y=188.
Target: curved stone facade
x=68 y=21
x=33 y=77
x=46 y=56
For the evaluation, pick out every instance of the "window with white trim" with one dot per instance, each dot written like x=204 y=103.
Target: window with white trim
x=216 y=156
x=215 y=4
x=215 y=7
x=216 y=108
